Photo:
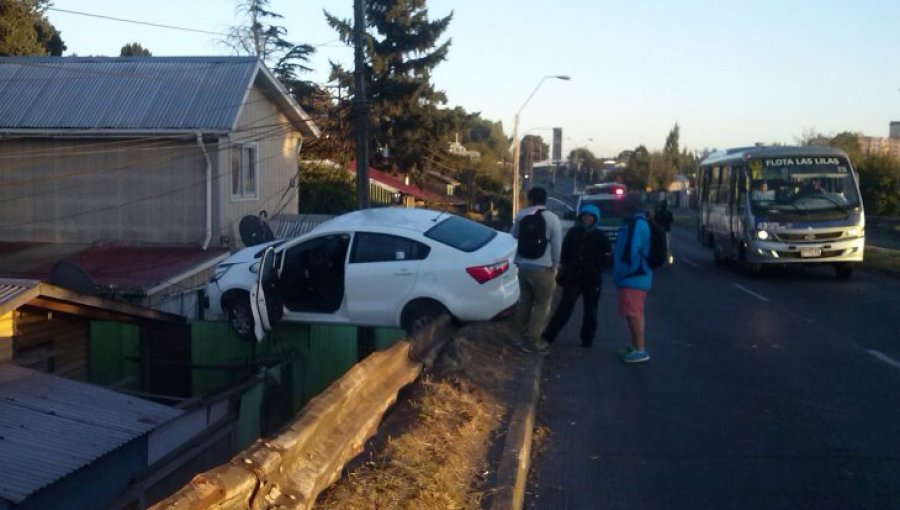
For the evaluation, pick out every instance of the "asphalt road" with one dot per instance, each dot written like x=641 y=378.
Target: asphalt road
x=780 y=392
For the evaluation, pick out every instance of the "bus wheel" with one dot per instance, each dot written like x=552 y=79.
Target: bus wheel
x=718 y=258
x=843 y=270
x=750 y=268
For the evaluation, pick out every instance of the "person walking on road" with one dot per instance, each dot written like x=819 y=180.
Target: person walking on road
x=585 y=249
x=539 y=245
x=633 y=276
x=663 y=217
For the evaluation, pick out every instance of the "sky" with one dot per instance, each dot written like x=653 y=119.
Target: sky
x=729 y=73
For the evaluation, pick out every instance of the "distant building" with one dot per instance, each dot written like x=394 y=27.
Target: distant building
x=881 y=145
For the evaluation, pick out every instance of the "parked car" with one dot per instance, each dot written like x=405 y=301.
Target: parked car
x=375 y=267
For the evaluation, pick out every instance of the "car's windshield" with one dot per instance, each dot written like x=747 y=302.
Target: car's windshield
x=820 y=187
x=462 y=234
x=611 y=213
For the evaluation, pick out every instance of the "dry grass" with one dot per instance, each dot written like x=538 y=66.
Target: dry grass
x=439 y=458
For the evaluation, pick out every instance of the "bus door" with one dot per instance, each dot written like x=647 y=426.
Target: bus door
x=738 y=187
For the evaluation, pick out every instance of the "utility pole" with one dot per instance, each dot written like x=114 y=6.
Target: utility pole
x=360 y=107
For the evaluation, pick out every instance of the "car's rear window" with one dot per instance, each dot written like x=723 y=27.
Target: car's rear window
x=462 y=234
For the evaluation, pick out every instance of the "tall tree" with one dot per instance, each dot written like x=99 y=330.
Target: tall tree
x=638 y=170
x=134 y=50
x=402 y=50
x=260 y=36
x=25 y=30
x=670 y=150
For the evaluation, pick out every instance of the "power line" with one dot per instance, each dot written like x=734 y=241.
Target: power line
x=136 y=22
x=329 y=44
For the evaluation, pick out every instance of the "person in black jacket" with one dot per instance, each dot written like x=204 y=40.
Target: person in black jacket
x=663 y=217
x=584 y=254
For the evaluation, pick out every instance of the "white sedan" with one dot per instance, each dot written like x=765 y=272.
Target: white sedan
x=374 y=267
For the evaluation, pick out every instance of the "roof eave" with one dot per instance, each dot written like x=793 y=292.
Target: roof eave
x=110 y=133
x=283 y=99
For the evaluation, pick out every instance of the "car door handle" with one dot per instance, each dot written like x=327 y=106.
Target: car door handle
x=403 y=272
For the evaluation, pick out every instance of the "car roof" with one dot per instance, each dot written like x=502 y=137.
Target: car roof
x=418 y=220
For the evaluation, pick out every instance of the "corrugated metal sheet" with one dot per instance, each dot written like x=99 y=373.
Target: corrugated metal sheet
x=50 y=427
x=168 y=93
x=13 y=293
x=287 y=226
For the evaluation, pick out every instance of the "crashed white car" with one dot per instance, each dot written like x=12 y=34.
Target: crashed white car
x=374 y=267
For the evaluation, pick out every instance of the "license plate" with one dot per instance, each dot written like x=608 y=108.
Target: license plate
x=810 y=252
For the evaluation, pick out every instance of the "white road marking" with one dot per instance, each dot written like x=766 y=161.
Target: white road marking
x=885 y=358
x=687 y=261
x=754 y=294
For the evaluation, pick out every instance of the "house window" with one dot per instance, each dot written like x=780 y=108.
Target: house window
x=244 y=171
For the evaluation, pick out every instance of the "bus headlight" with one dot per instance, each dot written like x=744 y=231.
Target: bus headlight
x=854 y=232
x=762 y=235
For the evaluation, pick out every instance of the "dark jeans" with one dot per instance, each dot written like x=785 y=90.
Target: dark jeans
x=590 y=297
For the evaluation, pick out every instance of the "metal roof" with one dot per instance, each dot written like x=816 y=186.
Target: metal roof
x=50 y=427
x=122 y=94
x=15 y=292
x=288 y=226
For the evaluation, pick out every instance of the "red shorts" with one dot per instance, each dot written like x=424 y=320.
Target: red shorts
x=631 y=302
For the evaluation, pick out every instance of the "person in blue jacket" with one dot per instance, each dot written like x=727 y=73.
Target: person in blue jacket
x=632 y=275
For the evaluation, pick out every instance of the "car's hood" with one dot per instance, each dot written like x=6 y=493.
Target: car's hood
x=248 y=255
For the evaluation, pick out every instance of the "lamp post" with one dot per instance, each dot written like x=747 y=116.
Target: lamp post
x=515 y=184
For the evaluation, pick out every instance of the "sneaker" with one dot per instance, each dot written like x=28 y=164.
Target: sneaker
x=522 y=346
x=542 y=346
x=636 y=357
x=625 y=351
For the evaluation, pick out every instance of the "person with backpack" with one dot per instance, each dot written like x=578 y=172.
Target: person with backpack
x=633 y=274
x=663 y=217
x=584 y=254
x=537 y=256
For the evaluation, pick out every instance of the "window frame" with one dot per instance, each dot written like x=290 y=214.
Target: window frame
x=242 y=195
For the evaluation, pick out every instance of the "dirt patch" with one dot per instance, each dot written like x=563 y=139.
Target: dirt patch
x=440 y=445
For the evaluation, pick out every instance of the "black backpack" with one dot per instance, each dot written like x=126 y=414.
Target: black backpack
x=533 y=235
x=657 y=254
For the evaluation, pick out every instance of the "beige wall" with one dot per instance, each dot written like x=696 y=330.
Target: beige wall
x=142 y=191
x=102 y=190
x=260 y=123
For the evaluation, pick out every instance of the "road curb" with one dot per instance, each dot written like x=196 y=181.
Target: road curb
x=512 y=473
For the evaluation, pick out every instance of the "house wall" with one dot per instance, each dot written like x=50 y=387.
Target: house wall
x=81 y=190
x=51 y=342
x=277 y=140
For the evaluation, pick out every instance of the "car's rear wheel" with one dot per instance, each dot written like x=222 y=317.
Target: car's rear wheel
x=419 y=314
x=238 y=313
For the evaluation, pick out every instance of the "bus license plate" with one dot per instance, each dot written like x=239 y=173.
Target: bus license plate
x=810 y=252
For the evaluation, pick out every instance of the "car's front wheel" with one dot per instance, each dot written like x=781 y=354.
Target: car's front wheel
x=238 y=313
x=419 y=314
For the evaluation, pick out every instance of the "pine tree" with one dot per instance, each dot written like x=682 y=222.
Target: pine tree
x=260 y=37
x=402 y=51
x=25 y=30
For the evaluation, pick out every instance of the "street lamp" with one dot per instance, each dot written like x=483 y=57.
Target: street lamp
x=515 y=185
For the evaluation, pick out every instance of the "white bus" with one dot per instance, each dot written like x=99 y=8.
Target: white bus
x=781 y=205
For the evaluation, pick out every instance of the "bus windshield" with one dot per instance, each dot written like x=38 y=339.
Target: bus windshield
x=823 y=187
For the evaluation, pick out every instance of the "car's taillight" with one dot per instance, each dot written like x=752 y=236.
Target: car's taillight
x=487 y=273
